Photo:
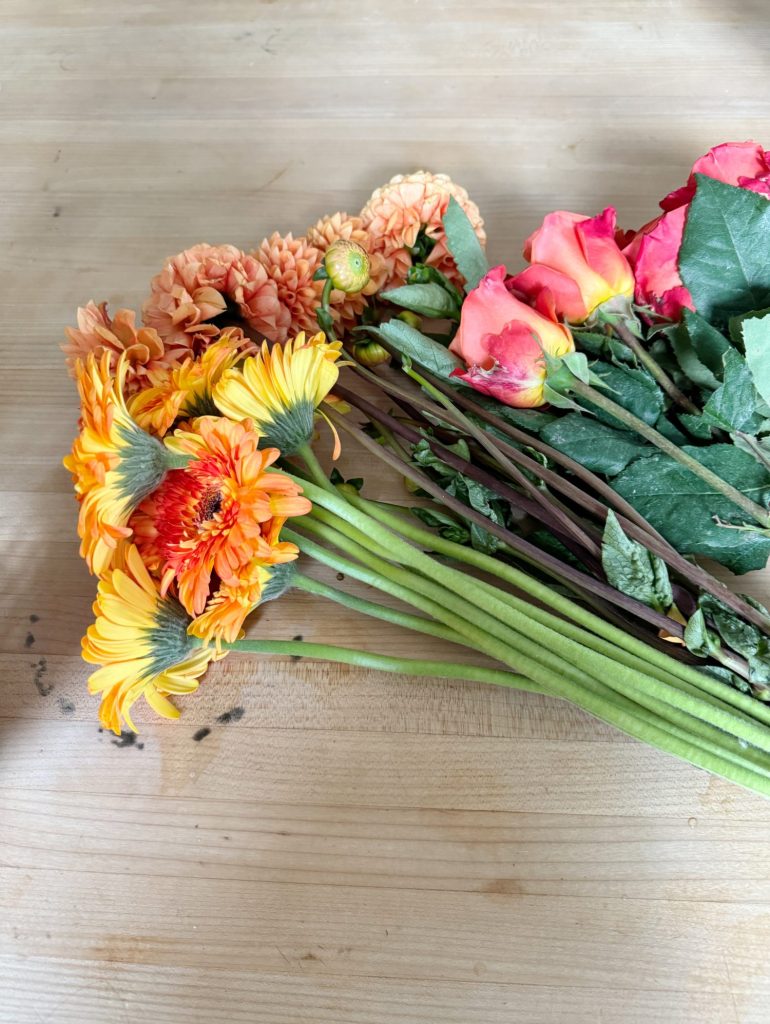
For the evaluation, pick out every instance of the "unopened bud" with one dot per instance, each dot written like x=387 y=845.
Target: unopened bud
x=370 y=353
x=347 y=264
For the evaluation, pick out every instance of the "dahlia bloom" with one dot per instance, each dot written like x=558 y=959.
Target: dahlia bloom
x=396 y=213
x=503 y=342
x=341 y=226
x=196 y=286
x=98 y=332
x=187 y=390
x=114 y=463
x=221 y=512
x=281 y=388
x=290 y=264
x=141 y=641
x=578 y=260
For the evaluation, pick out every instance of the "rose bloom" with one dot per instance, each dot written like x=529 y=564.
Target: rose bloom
x=653 y=252
x=503 y=342
x=578 y=260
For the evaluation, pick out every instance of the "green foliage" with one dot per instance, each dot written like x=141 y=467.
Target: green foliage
x=684 y=509
x=464 y=245
x=632 y=569
x=417 y=346
x=633 y=389
x=756 y=341
x=595 y=445
x=742 y=636
x=699 y=638
x=724 y=254
x=733 y=406
x=430 y=300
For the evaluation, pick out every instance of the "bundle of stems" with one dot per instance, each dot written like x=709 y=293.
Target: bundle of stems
x=543 y=641
x=569 y=501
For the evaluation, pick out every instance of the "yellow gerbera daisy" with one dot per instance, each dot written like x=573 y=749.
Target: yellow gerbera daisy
x=186 y=390
x=140 y=639
x=280 y=390
x=114 y=463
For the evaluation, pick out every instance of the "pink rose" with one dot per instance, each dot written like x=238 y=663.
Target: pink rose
x=503 y=342
x=578 y=260
x=654 y=251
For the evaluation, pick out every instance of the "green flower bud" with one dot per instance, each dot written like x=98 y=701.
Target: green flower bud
x=370 y=353
x=347 y=264
x=410 y=318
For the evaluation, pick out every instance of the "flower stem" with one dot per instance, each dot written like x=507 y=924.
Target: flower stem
x=654 y=368
x=586 y=391
x=314 y=467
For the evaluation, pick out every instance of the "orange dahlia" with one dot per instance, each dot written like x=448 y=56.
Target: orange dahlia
x=200 y=284
x=186 y=391
x=413 y=203
x=114 y=463
x=350 y=229
x=291 y=263
x=218 y=514
x=98 y=332
x=141 y=641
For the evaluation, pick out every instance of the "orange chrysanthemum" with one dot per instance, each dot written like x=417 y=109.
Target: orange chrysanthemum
x=351 y=229
x=186 y=391
x=219 y=514
x=410 y=203
x=114 y=463
x=291 y=263
x=98 y=332
x=197 y=285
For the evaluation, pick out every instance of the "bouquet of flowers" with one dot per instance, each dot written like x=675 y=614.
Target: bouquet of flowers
x=572 y=438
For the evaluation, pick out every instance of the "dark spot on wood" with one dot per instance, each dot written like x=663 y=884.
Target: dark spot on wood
x=225 y=837
x=340 y=576
x=201 y=734
x=233 y=715
x=41 y=667
x=29 y=639
x=56 y=211
x=140 y=746
x=503 y=887
x=309 y=956
x=66 y=706
x=126 y=739
x=34 y=618
x=57 y=158
x=297 y=657
x=298 y=637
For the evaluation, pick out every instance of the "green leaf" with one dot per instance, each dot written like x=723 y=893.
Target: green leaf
x=708 y=344
x=696 y=425
x=429 y=300
x=464 y=245
x=693 y=368
x=415 y=345
x=756 y=341
x=595 y=445
x=633 y=389
x=603 y=346
x=735 y=325
x=632 y=569
x=724 y=251
x=742 y=636
x=447 y=527
x=682 y=507
x=733 y=405
x=532 y=420
x=698 y=637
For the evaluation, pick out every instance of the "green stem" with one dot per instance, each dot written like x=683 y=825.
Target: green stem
x=377 y=611
x=385 y=663
x=314 y=467
x=761 y=515
x=654 y=368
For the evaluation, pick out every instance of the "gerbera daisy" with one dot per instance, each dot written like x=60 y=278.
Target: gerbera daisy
x=186 y=391
x=204 y=282
x=114 y=463
x=281 y=388
x=98 y=332
x=291 y=264
x=208 y=522
x=410 y=204
x=141 y=641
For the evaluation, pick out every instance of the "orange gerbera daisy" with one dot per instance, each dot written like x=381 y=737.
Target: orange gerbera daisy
x=291 y=264
x=219 y=514
x=114 y=463
x=200 y=284
x=98 y=332
x=186 y=391
x=410 y=204
x=141 y=641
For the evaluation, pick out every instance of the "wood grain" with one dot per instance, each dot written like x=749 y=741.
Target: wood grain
x=340 y=847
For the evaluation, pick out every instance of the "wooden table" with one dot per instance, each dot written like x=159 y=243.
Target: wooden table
x=316 y=844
